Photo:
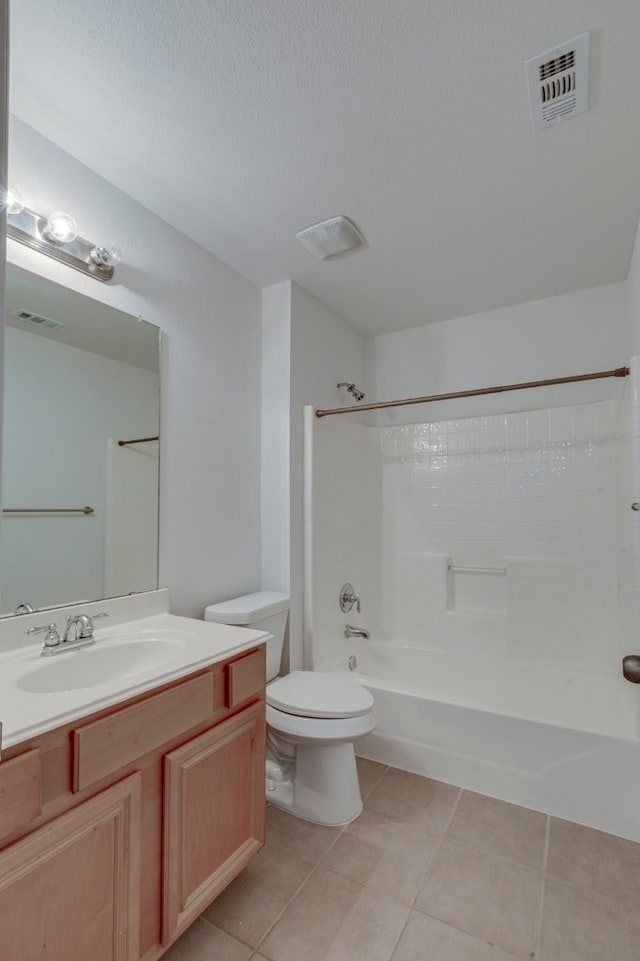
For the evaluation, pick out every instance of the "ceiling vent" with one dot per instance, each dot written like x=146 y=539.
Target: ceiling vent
x=331 y=238
x=46 y=323
x=559 y=82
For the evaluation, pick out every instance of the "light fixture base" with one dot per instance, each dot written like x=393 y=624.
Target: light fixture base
x=27 y=227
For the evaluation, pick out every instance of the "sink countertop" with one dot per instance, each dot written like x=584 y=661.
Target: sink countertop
x=201 y=643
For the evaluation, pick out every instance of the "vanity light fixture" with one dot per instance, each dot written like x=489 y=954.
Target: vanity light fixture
x=57 y=237
x=14 y=200
x=60 y=228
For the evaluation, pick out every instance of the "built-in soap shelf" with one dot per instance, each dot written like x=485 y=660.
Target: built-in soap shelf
x=476 y=590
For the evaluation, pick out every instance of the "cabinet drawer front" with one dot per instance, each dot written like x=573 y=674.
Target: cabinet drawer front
x=246 y=677
x=19 y=791
x=113 y=742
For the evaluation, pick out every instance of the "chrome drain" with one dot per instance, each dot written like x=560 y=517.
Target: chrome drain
x=352 y=662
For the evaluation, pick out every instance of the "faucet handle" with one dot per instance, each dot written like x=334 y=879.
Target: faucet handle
x=52 y=637
x=348 y=598
x=85 y=623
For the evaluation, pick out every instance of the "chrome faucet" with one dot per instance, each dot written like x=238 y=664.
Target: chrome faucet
x=24 y=608
x=351 y=631
x=81 y=627
x=77 y=633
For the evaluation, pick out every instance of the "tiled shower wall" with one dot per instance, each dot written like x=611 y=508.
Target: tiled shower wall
x=496 y=535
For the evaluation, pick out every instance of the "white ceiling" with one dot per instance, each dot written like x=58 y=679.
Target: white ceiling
x=242 y=121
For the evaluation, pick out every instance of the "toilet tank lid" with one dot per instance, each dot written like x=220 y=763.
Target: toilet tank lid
x=248 y=608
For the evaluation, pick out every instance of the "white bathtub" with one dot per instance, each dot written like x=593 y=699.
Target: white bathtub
x=556 y=741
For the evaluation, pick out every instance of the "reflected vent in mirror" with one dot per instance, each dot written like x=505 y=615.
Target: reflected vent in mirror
x=46 y=323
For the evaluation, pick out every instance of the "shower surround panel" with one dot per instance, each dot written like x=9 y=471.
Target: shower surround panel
x=499 y=535
x=495 y=561
x=491 y=536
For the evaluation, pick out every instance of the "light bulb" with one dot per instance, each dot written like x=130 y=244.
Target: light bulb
x=61 y=228
x=14 y=201
x=106 y=255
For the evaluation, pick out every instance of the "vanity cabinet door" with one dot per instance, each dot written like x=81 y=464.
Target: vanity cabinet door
x=214 y=815
x=70 y=891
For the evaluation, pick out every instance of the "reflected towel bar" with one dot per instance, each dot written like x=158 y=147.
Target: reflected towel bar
x=48 y=510
x=427 y=399
x=476 y=570
x=136 y=440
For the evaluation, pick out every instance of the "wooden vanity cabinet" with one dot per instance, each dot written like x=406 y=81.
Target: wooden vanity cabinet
x=71 y=889
x=213 y=815
x=118 y=830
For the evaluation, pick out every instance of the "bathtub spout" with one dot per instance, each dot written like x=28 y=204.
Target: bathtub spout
x=351 y=631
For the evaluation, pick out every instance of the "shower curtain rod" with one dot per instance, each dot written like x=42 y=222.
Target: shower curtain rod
x=598 y=375
x=136 y=440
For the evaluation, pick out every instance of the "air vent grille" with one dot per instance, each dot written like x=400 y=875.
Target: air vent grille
x=558 y=82
x=46 y=323
x=564 y=62
x=331 y=238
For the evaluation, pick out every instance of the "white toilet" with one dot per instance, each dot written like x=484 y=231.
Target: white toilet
x=312 y=721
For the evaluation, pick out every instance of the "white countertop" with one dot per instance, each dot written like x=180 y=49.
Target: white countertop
x=185 y=645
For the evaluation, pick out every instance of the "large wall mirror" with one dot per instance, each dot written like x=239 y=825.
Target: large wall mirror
x=79 y=508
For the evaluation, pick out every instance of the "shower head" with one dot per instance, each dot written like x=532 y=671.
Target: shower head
x=352 y=389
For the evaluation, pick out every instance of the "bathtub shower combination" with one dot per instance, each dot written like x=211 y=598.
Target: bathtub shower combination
x=496 y=561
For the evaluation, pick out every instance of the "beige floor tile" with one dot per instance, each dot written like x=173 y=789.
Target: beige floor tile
x=425 y=938
x=204 y=942
x=412 y=799
x=607 y=865
x=488 y=897
x=308 y=841
x=369 y=773
x=384 y=855
x=504 y=829
x=251 y=903
x=578 y=925
x=335 y=919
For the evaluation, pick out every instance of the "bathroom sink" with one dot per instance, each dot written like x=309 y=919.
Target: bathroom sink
x=103 y=662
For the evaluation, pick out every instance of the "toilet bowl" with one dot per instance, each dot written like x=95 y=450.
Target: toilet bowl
x=313 y=719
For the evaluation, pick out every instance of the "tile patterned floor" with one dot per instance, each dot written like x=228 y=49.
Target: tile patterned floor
x=428 y=872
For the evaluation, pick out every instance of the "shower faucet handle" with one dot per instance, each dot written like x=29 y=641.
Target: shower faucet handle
x=348 y=598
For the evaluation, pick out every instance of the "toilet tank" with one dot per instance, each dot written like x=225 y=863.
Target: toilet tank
x=262 y=611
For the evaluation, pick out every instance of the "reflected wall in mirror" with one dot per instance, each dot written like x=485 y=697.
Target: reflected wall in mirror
x=79 y=376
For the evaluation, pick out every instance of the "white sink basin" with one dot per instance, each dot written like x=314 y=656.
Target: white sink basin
x=103 y=662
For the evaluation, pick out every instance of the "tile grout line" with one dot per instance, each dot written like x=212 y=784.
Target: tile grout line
x=537 y=941
x=377 y=781
x=313 y=870
x=426 y=868
x=437 y=847
x=307 y=877
x=314 y=867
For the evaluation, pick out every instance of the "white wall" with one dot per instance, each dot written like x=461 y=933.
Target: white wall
x=322 y=351
x=325 y=351
x=570 y=334
x=276 y=437
x=61 y=406
x=633 y=284
x=210 y=318
x=343 y=530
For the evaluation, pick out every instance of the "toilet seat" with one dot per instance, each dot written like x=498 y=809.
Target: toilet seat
x=314 y=694
x=320 y=730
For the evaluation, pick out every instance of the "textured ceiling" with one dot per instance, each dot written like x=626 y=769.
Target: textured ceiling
x=242 y=121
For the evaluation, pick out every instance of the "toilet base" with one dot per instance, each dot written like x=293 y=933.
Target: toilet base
x=320 y=784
